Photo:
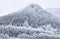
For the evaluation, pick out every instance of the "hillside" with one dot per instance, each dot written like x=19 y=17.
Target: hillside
x=32 y=22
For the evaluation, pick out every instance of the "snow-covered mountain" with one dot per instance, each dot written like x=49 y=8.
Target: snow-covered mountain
x=32 y=22
x=33 y=14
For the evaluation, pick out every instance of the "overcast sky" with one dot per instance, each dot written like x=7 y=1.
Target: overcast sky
x=8 y=6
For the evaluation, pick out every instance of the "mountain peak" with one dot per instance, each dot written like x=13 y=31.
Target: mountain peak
x=34 y=7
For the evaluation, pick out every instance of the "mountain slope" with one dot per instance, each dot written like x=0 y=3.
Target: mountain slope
x=32 y=22
x=55 y=11
x=34 y=15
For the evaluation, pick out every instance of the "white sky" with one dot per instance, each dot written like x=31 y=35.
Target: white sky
x=8 y=6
